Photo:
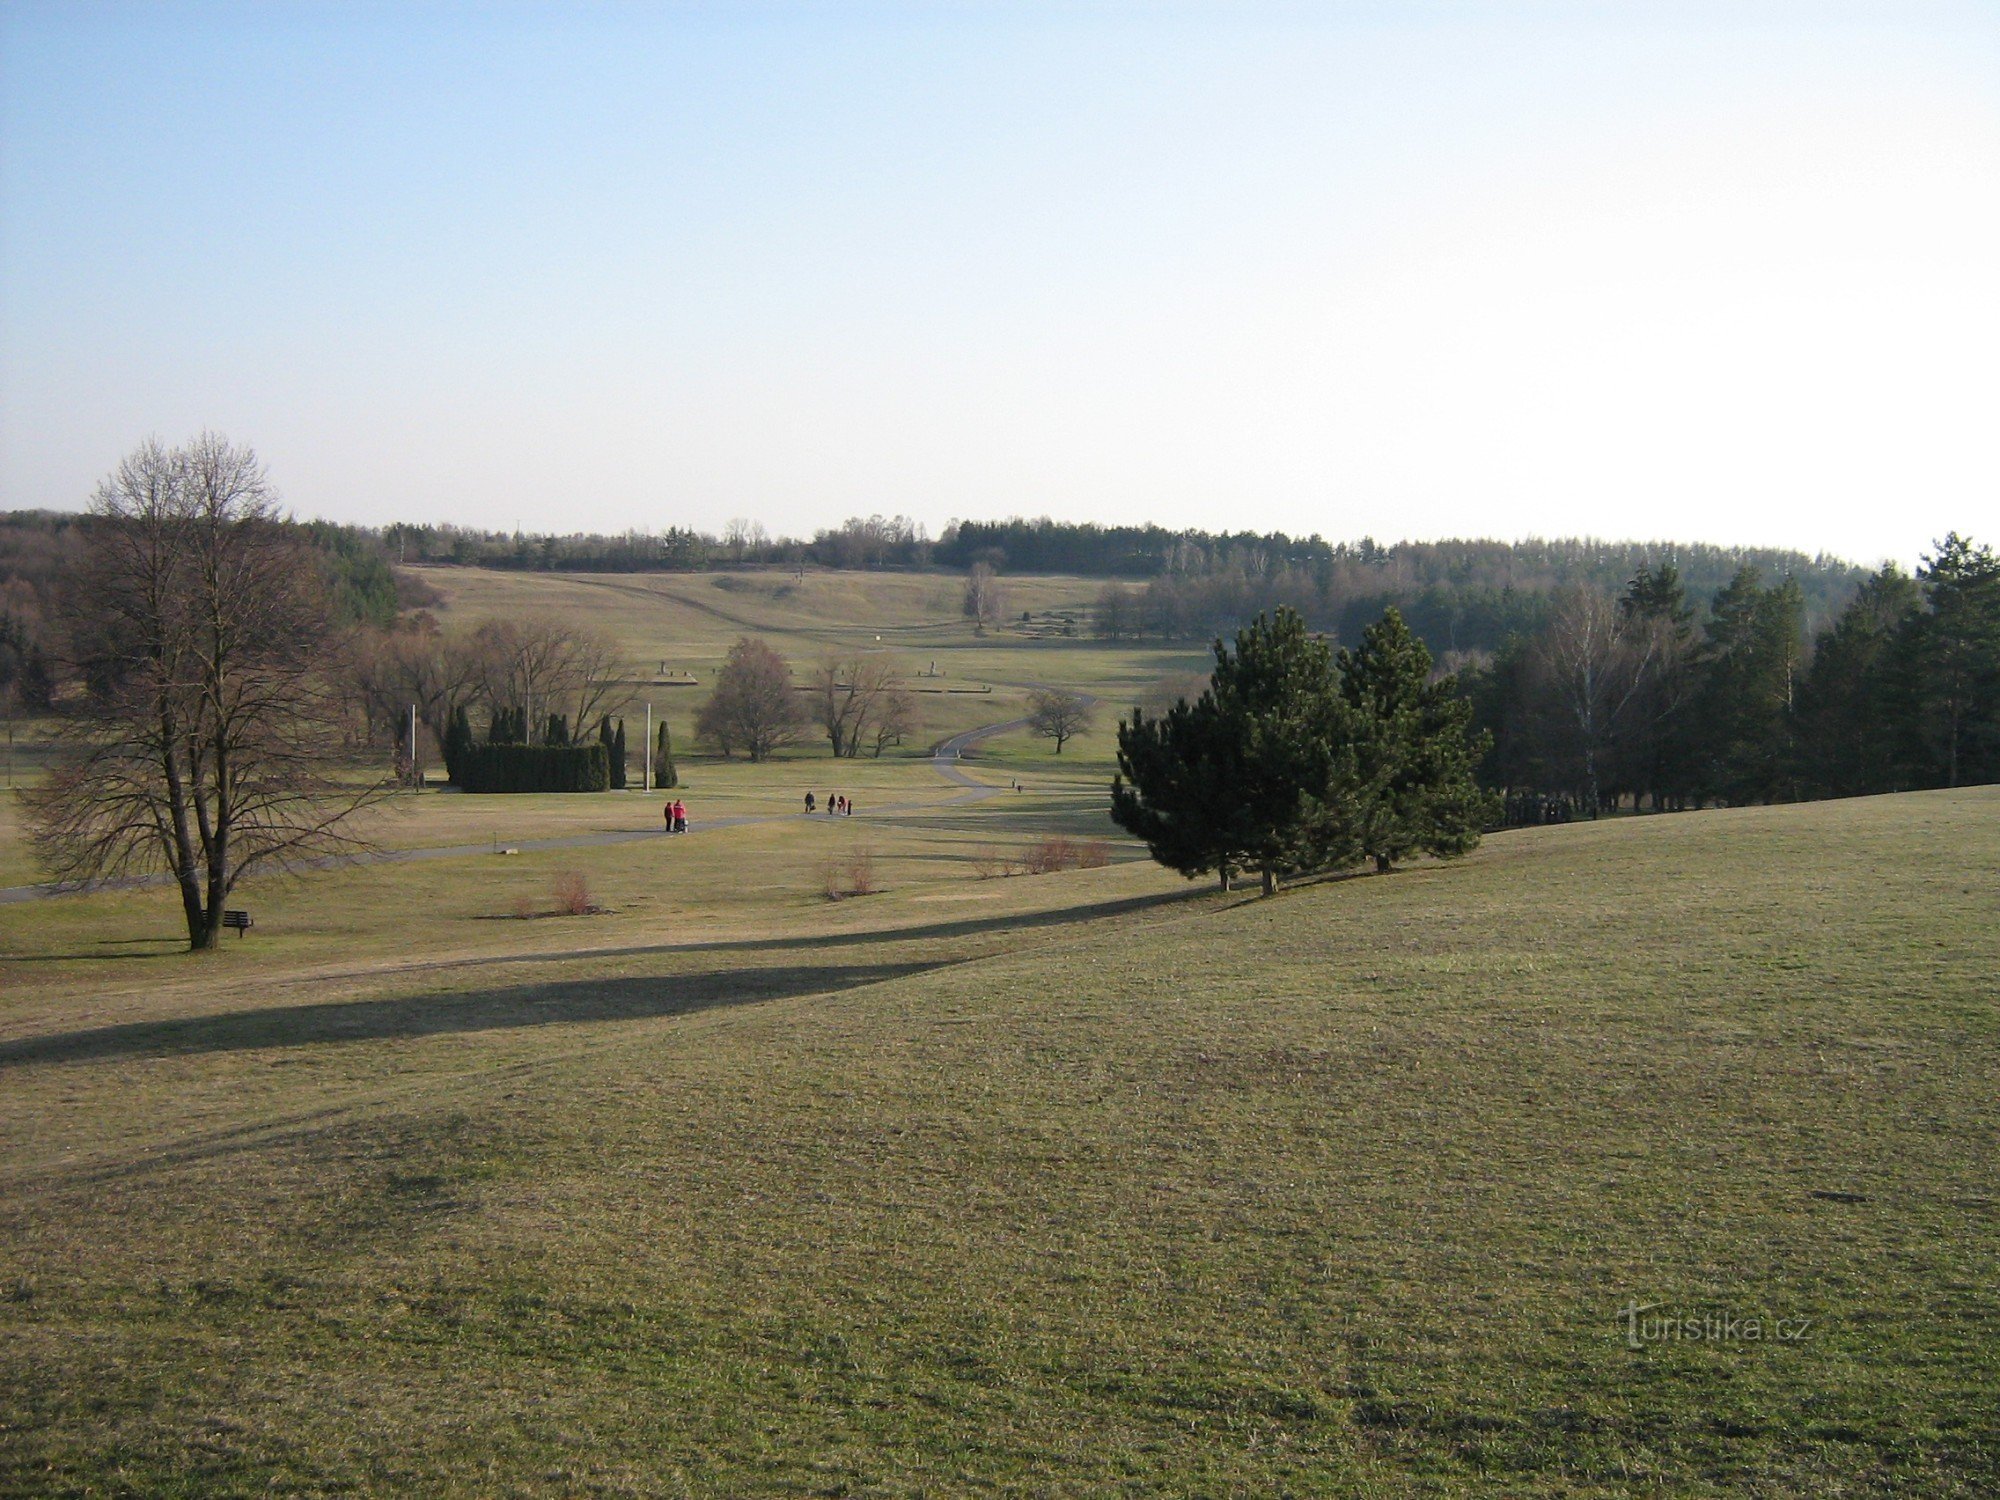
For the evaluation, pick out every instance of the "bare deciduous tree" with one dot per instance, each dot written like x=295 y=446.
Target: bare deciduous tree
x=983 y=600
x=753 y=707
x=895 y=718
x=437 y=671
x=545 y=666
x=850 y=697
x=1595 y=661
x=1058 y=714
x=210 y=738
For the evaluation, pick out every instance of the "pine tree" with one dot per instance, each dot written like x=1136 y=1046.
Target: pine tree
x=1240 y=778
x=1849 y=726
x=1415 y=752
x=1749 y=666
x=618 y=758
x=1951 y=666
x=1658 y=757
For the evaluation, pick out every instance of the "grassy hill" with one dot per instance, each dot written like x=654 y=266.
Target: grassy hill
x=1081 y=1184
x=687 y=622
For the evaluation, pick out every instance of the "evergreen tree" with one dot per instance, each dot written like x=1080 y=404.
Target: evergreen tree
x=666 y=775
x=1950 y=656
x=458 y=742
x=618 y=757
x=1413 y=757
x=1240 y=778
x=1849 y=733
x=1749 y=665
x=507 y=726
x=1176 y=765
x=1659 y=754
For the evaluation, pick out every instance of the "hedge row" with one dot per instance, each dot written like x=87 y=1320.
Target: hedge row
x=533 y=768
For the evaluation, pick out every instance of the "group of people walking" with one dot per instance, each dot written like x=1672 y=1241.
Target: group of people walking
x=837 y=806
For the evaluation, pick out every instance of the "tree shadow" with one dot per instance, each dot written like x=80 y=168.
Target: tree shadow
x=928 y=932
x=619 y=999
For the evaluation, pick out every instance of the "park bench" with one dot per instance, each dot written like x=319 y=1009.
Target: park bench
x=240 y=920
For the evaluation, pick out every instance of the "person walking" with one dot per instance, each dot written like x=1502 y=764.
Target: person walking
x=680 y=816
x=810 y=804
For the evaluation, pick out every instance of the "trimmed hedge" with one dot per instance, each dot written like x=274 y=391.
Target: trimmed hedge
x=534 y=768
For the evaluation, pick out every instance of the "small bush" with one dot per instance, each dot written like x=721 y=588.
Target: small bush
x=991 y=863
x=1049 y=855
x=572 y=894
x=850 y=874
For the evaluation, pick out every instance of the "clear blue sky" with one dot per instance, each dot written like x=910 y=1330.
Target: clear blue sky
x=1721 y=272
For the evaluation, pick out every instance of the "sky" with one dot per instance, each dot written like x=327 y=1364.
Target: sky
x=1722 y=272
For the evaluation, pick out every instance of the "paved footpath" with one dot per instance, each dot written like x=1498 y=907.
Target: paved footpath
x=944 y=760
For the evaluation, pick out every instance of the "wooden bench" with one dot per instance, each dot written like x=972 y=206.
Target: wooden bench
x=240 y=920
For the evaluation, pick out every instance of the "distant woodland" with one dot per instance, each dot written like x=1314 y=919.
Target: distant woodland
x=1605 y=673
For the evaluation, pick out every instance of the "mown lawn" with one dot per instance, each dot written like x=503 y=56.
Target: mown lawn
x=1147 y=1191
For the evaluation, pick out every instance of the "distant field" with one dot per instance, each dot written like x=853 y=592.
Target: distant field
x=1081 y=1184
x=687 y=622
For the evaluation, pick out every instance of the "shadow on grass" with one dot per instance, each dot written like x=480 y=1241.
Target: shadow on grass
x=929 y=932
x=622 y=999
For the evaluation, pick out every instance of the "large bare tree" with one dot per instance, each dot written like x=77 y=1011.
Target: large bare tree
x=753 y=707
x=858 y=701
x=210 y=739
x=1058 y=714
x=416 y=665
x=548 y=666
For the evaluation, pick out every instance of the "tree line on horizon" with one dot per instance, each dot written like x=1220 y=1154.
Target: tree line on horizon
x=1631 y=697
x=1463 y=597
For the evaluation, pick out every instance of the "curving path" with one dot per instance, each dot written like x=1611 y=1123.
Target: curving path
x=944 y=760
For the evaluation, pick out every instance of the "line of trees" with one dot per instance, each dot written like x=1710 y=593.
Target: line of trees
x=1630 y=696
x=560 y=677
x=856 y=700
x=1295 y=760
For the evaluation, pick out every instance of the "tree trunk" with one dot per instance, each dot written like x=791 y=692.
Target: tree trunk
x=1226 y=874
x=1383 y=864
x=1270 y=879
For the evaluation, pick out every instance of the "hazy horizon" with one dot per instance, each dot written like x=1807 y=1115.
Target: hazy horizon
x=1699 y=273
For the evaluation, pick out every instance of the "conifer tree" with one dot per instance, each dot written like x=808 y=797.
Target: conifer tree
x=666 y=775
x=617 y=748
x=1414 y=751
x=1850 y=729
x=457 y=742
x=1951 y=666
x=1241 y=778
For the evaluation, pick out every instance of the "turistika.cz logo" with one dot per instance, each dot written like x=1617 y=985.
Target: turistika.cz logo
x=1650 y=1323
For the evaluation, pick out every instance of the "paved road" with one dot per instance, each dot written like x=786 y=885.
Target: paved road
x=944 y=760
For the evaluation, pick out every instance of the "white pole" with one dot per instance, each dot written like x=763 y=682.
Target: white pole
x=413 y=744
x=647 y=781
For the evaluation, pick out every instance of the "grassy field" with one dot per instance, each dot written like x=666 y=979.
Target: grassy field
x=687 y=623
x=1077 y=1184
